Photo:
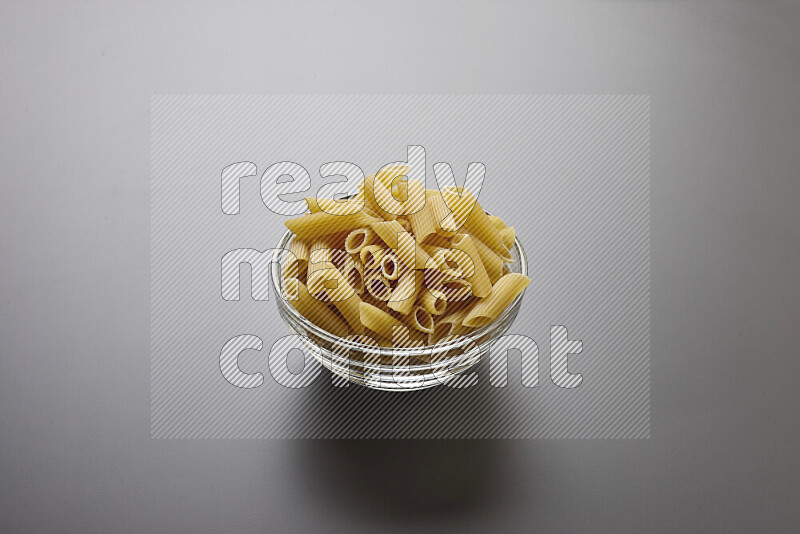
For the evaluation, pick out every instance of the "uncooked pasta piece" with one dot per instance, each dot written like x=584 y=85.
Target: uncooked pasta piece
x=481 y=284
x=503 y=293
x=338 y=291
x=469 y=214
x=389 y=266
x=420 y=319
x=336 y=207
x=360 y=238
x=371 y=256
x=403 y=243
x=423 y=223
x=378 y=320
x=405 y=294
x=450 y=325
x=378 y=286
x=319 y=224
x=497 y=222
x=314 y=310
x=445 y=223
x=508 y=235
x=491 y=261
x=435 y=304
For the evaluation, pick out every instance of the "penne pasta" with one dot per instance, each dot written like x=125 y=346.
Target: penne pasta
x=405 y=294
x=491 y=261
x=359 y=238
x=497 y=222
x=314 y=310
x=420 y=319
x=292 y=268
x=405 y=247
x=469 y=215
x=336 y=207
x=508 y=236
x=337 y=290
x=299 y=248
x=439 y=241
x=404 y=223
x=391 y=174
x=319 y=224
x=378 y=286
x=450 y=325
x=504 y=291
x=378 y=320
x=320 y=256
x=354 y=274
x=481 y=284
x=397 y=265
x=423 y=223
x=445 y=223
x=389 y=266
x=371 y=256
x=455 y=290
x=435 y=304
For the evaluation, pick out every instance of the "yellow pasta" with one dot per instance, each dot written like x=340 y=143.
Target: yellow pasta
x=403 y=221
x=386 y=204
x=389 y=266
x=423 y=223
x=378 y=320
x=340 y=293
x=508 y=236
x=391 y=174
x=371 y=256
x=454 y=290
x=436 y=254
x=414 y=198
x=408 y=252
x=405 y=293
x=450 y=325
x=378 y=286
x=359 y=238
x=353 y=272
x=497 y=222
x=420 y=319
x=481 y=285
x=314 y=310
x=445 y=222
x=299 y=248
x=320 y=256
x=318 y=224
x=491 y=261
x=294 y=265
x=336 y=207
x=503 y=293
x=292 y=268
x=439 y=241
x=397 y=265
x=469 y=214
x=435 y=304
x=399 y=190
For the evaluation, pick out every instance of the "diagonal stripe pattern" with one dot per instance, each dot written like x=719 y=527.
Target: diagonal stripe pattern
x=571 y=173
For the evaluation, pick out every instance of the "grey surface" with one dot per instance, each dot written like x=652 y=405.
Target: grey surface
x=570 y=173
x=74 y=374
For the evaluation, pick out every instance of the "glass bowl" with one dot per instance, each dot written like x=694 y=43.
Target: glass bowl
x=396 y=369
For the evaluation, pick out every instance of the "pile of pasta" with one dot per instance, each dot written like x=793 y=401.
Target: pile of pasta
x=397 y=265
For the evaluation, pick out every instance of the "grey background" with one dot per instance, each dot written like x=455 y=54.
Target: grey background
x=74 y=375
x=570 y=173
